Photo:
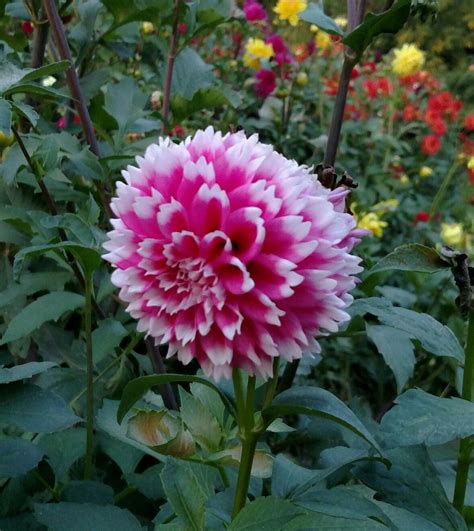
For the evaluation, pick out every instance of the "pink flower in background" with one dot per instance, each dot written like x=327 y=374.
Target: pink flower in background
x=280 y=49
x=265 y=83
x=254 y=11
x=231 y=253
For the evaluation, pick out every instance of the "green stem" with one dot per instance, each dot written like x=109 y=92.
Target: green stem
x=114 y=362
x=443 y=188
x=465 y=445
x=90 y=377
x=124 y=493
x=248 y=437
x=272 y=384
x=248 y=451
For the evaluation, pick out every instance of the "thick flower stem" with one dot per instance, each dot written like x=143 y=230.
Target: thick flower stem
x=248 y=437
x=90 y=378
x=249 y=443
x=466 y=444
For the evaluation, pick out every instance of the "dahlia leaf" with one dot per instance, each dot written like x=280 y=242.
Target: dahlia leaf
x=136 y=388
x=65 y=515
x=184 y=493
x=315 y=15
x=397 y=350
x=200 y=421
x=27 y=370
x=433 y=336
x=89 y=258
x=49 y=307
x=317 y=402
x=17 y=457
x=345 y=502
x=421 y=418
x=412 y=257
x=34 y=409
x=389 y=21
x=290 y=480
x=5 y=117
x=412 y=483
x=266 y=513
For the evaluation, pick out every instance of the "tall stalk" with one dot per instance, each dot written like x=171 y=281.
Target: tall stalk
x=90 y=377
x=355 y=14
x=248 y=438
x=466 y=444
x=169 y=67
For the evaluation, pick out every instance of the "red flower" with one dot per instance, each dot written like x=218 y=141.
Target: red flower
x=410 y=113
x=430 y=144
x=377 y=87
x=182 y=28
x=178 y=131
x=439 y=127
x=355 y=73
x=301 y=53
x=468 y=123
x=370 y=66
x=330 y=86
x=422 y=216
x=27 y=27
x=265 y=84
x=280 y=49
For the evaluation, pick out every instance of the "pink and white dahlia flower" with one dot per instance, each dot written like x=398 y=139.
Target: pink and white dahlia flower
x=231 y=253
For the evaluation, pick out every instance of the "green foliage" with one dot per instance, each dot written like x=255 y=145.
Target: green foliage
x=367 y=435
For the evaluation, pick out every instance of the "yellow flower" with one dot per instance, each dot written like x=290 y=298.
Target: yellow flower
x=148 y=28
x=470 y=163
x=408 y=60
x=425 y=171
x=389 y=205
x=341 y=21
x=290 y=9
x=313 y=28
x=404 y=179
x=256 y=49
x=322 y=40
x=372 y=222
x=452 y=234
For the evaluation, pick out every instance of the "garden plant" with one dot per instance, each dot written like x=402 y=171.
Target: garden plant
x=235 y=280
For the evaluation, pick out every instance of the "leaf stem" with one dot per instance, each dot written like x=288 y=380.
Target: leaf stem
x=90 y=378
x=465 y=445
x=443 y=188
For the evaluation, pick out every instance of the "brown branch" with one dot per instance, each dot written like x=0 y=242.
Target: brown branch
x=169 y=67
x=54 y=211
x=57 y=29
x=355 y=13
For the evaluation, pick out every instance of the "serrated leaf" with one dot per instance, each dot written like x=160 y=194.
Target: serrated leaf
x=190 y=73
x=21 y=372
x=17 y=457
x=89 y=258
x=266 y=514
x=412 y=483
x=317 y=402
x=200 y=421
x=34 y=409
x=433 y=336
x=5 y=117
x=49 y=307
x=135 y=389
x=314 y=14
x=421 y=418
x=184 y=493
x=204 y=98
x=26 y=111
x=64 y=516
x=412 y=257
x=397 y=350
x=389 y=21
